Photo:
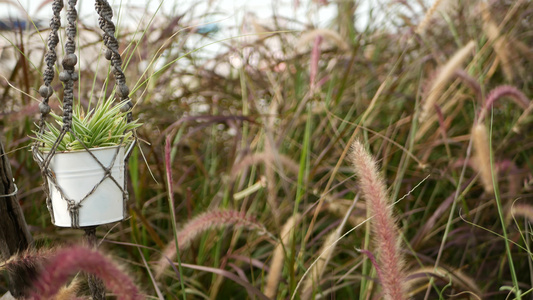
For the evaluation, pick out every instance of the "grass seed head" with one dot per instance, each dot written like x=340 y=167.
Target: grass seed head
x=201 y=223
x=445 y=73
x=383 y=224
x=278 y=257
x=481 y=159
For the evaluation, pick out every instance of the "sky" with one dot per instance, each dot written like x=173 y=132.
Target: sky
x=228 y=11
x=228 y=15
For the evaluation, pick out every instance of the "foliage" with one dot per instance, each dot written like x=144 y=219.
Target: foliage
x=104 y=126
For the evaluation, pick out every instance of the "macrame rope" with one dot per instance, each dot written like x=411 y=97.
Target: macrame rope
x=46 y=91
x=69 y=75
x=50 y=58
x=105 y=21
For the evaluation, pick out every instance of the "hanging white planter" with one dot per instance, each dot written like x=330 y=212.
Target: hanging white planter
x=85 y=188
x=81 y=180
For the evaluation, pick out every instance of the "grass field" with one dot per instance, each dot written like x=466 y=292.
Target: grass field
x=261 y=162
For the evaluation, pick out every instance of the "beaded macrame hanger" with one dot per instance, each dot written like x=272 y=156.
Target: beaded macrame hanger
x=68 y=76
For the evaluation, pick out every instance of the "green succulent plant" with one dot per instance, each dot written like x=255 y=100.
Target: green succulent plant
x=103 y=126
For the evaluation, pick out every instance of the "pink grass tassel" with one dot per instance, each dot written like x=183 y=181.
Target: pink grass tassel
x=386 y=238
x=504 y=91
x=69 y=261
x=207 y=221
x=315 y=58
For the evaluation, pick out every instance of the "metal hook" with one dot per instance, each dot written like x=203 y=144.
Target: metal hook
x=12 y=194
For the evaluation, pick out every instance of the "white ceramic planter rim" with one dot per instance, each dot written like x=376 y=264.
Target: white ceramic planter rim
x=76 y=173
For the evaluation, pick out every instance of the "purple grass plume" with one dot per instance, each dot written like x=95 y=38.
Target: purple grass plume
x=201 y=223
x=385 y=232
x=315 y=58
x=31 y=258
x=67 y=262
x=503 y=91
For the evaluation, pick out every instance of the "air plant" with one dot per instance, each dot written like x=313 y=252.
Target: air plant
x=103 y=126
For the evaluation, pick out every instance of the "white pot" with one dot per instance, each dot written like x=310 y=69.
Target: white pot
x=77 y=173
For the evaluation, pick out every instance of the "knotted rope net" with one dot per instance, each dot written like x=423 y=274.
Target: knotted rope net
x=68 y=76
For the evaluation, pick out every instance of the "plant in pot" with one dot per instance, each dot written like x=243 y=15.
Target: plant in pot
x=84 y=166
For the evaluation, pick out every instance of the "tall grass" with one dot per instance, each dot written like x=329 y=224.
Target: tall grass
x=256 y=135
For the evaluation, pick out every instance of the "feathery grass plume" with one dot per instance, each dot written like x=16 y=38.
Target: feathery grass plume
x=30 y=258
x=339 y=209
x=383 y=224
x=522 y=48
x=481 y=159
x=456 y=278
x=267 y=158
x=499 y=42
x=278 y=257
x=421 y=28
x=201 y=223
x=70 y=291
x=446 y=72
x=27 y=263
x=315 y=58
x=503 y=91
x=329 y=35
x=522 y=118
x=317 y=270
x=373 y=260
x=512 y=175
x=271 y=166
x=442 y=122
x=318 y=266
x=471 y=82
x=73 y=259
x=8 y=296
x=519 y=210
